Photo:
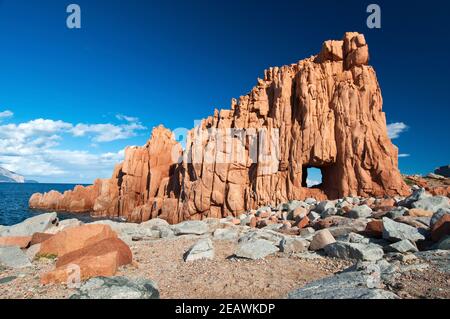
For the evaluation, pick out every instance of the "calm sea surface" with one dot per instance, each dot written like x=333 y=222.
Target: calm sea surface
x=14 y=202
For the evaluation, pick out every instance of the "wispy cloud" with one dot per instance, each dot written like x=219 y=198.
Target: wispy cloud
x=395 y=129
x=403 y=155
x=5 y=114
x=33 y=148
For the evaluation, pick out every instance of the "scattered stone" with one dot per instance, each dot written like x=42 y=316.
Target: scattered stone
x=417 y=212
x=417 y=195
x=441 y=228
x=394 y=231
x=306 y=232
x=256 y=249
x=432 y=203
x=343 y=250
x=13 y=257
x=354 y=238
x=397 y=212
x=202 y=250
x=321 y=239
x=313 y=216
x=347 y=285
x=191 y=227
x=269 y=235
x=294 y=245
x=323 y=206
x=438 y=215
x=36 y=224
x=226 y=234
x=374 y=228
x=117 y=288
x=329 y=212
x=155 y=223
x=363 y=211
x=403 y=246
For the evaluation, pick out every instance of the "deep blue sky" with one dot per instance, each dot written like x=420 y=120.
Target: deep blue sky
x=172 y=62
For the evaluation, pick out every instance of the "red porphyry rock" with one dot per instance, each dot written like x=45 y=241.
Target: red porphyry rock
x=38 y=238
x=323 y=111
x=21 y=242
x=441 y=228
x=75 y=238
x=374 y=228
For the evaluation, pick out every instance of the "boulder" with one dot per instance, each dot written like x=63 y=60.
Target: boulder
x=347 y=285
x=323 y=206
x=394 y=231
x=100 y=259
x=432 y=203
x=13 y=257
x=417 y=195
x=21 y=242
x=403 y=246
x=226 y=234
x=294 y=245
x=313 y=216
x=374 y=228
x=202 y=250
x=76 y=238
x=191 y=227
x=256 y=249
x=269 y=235
x=417 y=212
x=154 y=223
x=436 y=216
x=344 y=250
x=38 y=238
x=117 y=288
x=441 y=228
x=321 y=239
x=103 y=247
x=397 y=212
x=28 y=227
x=363 y=211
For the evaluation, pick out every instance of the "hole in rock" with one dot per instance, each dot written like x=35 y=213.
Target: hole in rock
x=312 y=177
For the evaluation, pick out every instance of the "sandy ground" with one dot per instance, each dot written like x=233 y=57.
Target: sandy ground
x=223 y=277
x=162 y=262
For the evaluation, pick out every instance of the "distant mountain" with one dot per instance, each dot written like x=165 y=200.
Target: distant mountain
x=11 y=177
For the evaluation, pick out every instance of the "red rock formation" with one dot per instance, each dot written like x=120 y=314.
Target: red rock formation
x=323 y=112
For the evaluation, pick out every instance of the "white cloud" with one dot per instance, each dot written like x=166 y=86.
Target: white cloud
x=6 y=114
x=395 y=129
x=127 y=118
x=403 y=155
x=34 y=149
x=107 y=132
x=312 y=183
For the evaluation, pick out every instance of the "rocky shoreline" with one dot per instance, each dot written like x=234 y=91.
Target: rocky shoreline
x=359 y=248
